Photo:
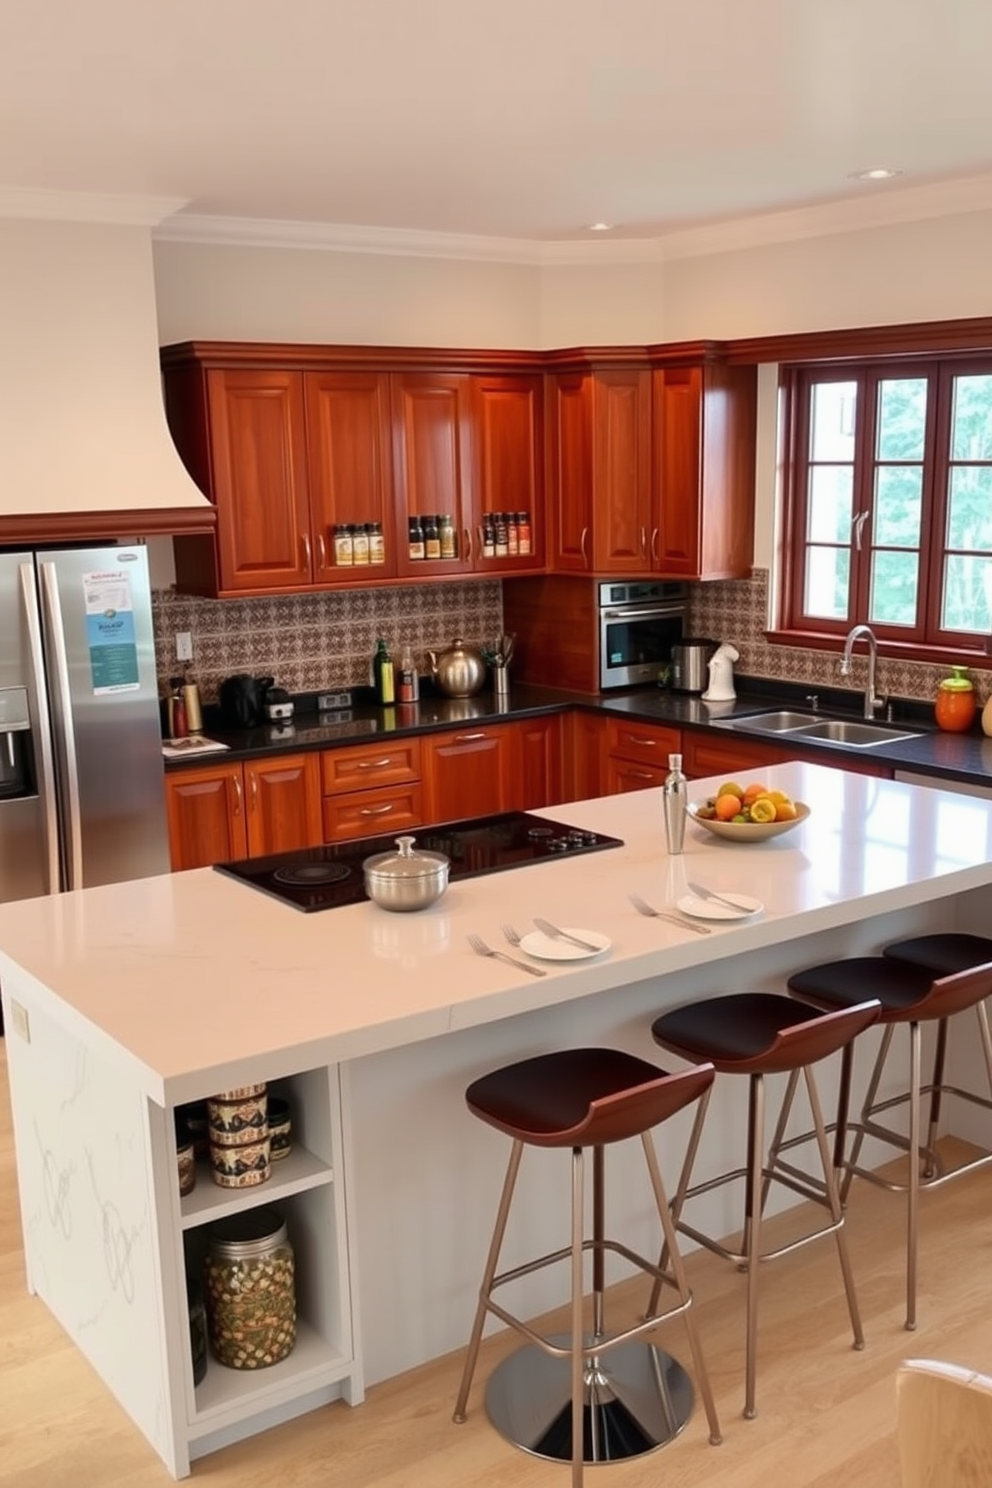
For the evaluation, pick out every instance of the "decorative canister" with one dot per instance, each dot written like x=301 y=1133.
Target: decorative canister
x=185 y=1159
x=238 y=1117
x=250 y=1290
x=240 y=1167
x=955 y=705
x=194 y=1116
x=280 y=1128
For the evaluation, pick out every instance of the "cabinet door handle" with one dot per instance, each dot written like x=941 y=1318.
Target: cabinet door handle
x=582 y=546
x=651 y=743
x=321 y=552
x=254 y=792
x=376 y=810
x=654 y=545
x=468 y=738
x=644 y=541
x=306 y=550
x=468 y=544
x=379 y=764
x=238 y=797
x=638 y=775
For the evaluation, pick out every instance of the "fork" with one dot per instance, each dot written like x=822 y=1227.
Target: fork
x=642 y=907
x=546 y=928
x=481 y=949
x=513 y=936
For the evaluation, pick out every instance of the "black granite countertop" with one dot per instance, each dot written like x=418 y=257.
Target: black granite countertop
x=966 y=758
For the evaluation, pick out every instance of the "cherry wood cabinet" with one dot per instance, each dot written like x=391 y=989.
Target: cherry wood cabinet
x=222 y=812
x=653 y=466
x=584 y=755
x=601 y=470
x=637 y=754
x=468 y=771
x=508 y=448
x=704 y=420
x=349 y=454
x=723 y=754
x=432 y=434
x=537 y=771
x=371 y=789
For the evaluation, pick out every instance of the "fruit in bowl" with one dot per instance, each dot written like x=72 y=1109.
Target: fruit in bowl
x=748 y=813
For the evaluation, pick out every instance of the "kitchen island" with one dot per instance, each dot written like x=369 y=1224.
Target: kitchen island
x=123 y=1002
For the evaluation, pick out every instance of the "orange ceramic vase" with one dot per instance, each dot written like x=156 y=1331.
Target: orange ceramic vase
x=955 y=706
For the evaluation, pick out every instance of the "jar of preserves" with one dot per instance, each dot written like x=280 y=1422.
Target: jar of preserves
x=250 y=1290
x=416 y=539
x=955 y=706
x=360 y=545
x=344 y=548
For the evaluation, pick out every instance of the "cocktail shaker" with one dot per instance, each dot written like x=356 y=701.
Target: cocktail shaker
x=673 y=795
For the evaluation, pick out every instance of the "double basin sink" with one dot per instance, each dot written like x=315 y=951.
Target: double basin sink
x=849 y=731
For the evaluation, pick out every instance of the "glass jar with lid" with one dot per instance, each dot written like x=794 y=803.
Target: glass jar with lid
x=955 y=705
x=250 y=1290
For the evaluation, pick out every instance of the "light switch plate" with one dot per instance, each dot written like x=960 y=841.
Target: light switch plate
x=19 y=1021
x=184 y=645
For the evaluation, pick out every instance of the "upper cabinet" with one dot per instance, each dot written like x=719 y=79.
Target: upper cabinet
x=704 y=419
x=652 y=466
x=315 y=455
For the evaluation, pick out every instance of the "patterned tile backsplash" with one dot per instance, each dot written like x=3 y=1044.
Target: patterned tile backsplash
x=312 y=642
x=736 y=610
x=317 y=642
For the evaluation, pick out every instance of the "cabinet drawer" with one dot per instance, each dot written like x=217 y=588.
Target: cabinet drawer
x=707 y=754
x=624 y=775
x=373 y=813
x=646 y=742
x=370 y=765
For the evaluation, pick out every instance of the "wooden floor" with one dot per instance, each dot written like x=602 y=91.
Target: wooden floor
x=825 y=1413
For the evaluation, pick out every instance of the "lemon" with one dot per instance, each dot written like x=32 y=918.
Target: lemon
x=731 y=788
x=763 y=810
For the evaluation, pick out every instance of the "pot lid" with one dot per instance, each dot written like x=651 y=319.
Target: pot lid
x=406 y=863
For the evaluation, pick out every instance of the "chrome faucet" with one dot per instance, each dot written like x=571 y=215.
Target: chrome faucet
x=874 y=702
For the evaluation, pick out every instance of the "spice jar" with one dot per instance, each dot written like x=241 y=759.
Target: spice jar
x=250 y=1290
x=955 y=706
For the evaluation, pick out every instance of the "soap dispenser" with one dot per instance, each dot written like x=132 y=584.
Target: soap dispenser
x=721 y=668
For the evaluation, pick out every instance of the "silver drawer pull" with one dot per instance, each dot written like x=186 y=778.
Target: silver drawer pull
x=639 y=775
x=379 y=764
x=650 y=743
x=376 y=810
x=468 y=738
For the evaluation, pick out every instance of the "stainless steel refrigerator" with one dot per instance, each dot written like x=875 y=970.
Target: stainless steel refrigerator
x=81 y=776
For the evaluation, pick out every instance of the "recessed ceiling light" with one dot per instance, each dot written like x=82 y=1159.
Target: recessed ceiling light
x=877 y=173
x=600 y=226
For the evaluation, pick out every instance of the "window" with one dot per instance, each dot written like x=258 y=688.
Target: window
x=889 y=501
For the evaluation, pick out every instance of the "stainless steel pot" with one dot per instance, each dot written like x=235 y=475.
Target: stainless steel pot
x=460 y=671
x=406 y=880
x=690 y=659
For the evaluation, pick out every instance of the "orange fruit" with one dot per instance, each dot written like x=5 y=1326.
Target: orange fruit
x=763 y=810
x=753 y=792
x=785 y=811
x=727 y=806
x=777 y=796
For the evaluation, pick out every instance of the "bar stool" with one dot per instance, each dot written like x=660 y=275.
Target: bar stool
x=926 y=978
x=586 y=1398
x=758 y=1034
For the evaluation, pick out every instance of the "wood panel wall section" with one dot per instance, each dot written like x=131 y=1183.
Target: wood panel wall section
x=555 y=618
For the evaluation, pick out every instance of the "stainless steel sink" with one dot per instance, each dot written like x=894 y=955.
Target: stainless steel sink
x=848 y=731
x=774 y=723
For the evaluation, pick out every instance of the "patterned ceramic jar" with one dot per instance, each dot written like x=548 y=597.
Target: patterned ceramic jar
x=240 y=1167
x=238 y=1118
x=250 y=1290
x=280 y=1128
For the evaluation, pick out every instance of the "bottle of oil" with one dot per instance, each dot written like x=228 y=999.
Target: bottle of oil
x=383 y=675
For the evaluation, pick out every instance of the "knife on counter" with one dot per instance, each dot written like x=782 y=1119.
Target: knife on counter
x=546 y=928
x=702 y=893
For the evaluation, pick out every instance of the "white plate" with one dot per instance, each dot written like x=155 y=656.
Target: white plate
x=709 y=909
x=536 y=943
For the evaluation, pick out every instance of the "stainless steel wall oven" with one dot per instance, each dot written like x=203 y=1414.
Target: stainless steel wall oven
x=639 y=623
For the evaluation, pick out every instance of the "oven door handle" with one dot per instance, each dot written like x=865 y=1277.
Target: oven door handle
x=647 y=612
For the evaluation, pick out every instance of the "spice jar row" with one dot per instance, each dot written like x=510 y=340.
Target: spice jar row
x=359 y=544
x=241 y=1132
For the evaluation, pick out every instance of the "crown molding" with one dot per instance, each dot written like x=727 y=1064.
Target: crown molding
x=891 y=207
x=332 y=237
x=87 y=206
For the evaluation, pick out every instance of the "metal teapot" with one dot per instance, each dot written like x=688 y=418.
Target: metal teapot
x=460 y=671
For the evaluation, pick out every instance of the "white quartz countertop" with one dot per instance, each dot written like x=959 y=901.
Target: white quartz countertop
x=197 y=981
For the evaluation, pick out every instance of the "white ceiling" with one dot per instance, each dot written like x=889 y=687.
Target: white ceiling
x=504 y=119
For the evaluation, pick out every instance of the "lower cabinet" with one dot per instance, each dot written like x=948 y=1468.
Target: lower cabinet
x=223 y=812
x=637 y=755
x=370 y=789
x=467 y=772
x=709 y=754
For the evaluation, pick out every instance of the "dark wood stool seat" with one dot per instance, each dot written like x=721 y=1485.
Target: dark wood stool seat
x=757 y=1034
x=927 y=978
x=577 y=1099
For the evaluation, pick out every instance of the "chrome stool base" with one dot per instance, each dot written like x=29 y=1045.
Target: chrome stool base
x=637 y=1399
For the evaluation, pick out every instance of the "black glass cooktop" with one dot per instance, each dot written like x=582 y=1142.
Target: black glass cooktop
x=330 y=876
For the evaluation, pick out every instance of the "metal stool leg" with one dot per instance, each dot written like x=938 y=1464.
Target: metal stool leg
x=913 y=1187
x=836 y=1210
x=752 y=1232
x=577 y=1360
x=485 y=1289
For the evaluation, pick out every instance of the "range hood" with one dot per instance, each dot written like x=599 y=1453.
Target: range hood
x=84 y=446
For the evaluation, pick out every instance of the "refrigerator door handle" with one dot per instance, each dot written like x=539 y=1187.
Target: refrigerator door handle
x=64 y=732
x=44 y=757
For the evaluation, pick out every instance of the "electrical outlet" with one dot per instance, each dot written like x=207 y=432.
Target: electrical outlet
x=184 y=645
x=327 y=700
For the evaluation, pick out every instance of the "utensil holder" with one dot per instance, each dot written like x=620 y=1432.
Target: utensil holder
x=501 y=683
